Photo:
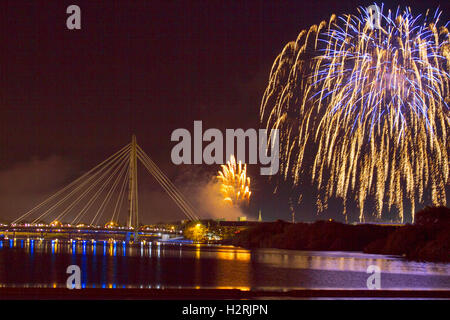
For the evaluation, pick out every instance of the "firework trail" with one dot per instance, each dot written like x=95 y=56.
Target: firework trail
x=370 y=106
x=235 y=185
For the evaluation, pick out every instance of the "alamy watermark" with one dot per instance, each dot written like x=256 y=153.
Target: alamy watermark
x=74 y=280
x=261 y=147
x=73 y=22
x=374 y=16
x=374 y=280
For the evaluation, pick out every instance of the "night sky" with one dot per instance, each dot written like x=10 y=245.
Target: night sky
x=69 y=99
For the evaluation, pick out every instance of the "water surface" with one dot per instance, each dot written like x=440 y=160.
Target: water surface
x=36 y=263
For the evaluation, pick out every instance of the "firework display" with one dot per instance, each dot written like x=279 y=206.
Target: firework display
x=369 y=106
x=235 y=185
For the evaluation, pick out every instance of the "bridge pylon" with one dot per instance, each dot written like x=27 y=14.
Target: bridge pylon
x=133 y=214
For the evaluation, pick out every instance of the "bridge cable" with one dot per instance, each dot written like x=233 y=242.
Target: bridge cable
x=111 y=165
x=102 y=207
x=170 y=188
x=175 y=189
x=74 y=203
x=174 y=193
x=92 y=200
x=170 y=191
x=120 y=197
x=71 y=184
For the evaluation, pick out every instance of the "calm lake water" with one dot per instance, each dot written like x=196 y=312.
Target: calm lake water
x=35 y=263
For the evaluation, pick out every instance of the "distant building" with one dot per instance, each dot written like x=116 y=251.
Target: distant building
x=242 y=219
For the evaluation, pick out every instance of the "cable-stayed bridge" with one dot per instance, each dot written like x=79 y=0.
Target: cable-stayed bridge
x=107 y=192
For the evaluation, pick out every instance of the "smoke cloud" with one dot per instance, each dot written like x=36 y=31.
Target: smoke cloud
x=28 y=183
x=203 y=189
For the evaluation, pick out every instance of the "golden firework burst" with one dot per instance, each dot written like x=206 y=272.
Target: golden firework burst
x=368 y=106
x=235 y=185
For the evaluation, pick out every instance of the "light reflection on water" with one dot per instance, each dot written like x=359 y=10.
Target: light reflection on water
x=348 y=261
x=117 y=264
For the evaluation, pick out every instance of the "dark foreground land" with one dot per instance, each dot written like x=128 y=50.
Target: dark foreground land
x=210 y=294
x=428 y=239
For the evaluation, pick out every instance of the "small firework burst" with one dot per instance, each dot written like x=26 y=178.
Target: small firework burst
x=235 y=185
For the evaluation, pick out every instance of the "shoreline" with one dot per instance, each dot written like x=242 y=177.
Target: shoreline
x=210 y=294
x=427 y=243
